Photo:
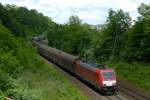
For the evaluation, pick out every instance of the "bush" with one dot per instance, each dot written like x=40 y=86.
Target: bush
x=9 y=63
x=23 y=93
x=133 y=72
x=5 y=81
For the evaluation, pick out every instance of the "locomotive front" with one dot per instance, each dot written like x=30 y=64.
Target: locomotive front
x=107 y=80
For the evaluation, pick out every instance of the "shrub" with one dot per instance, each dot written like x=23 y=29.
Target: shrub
x=5 y=81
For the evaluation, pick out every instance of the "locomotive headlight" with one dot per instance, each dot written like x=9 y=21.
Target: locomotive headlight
x=109 y=83
x=104 y=82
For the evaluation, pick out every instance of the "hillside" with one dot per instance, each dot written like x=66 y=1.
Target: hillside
x=23 y=74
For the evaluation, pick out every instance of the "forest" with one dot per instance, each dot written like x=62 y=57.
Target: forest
x=118 y=39
x=120 y=43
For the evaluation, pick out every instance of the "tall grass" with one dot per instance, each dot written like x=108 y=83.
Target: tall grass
x=48 y=84
x=136 y=73
x=25 y=76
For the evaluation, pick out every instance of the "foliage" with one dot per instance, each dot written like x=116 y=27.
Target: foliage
x=10 y=65
x=74 y=37
x=24 y=22
x=139 y=36
x=52 y=84
x=74 y=20
x=110 y=40
x=5 y=81
x=133 y=73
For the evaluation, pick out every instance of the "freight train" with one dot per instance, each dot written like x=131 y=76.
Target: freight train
x=101 y=78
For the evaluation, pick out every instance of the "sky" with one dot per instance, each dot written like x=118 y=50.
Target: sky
x=89 y=11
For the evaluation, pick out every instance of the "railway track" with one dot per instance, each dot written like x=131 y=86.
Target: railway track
x=117 y=97
x=123 y=93
x=136 y=95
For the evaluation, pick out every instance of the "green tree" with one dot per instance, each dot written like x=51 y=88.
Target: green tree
x=74 y=20
x=74 y=36
x=138 y=44
x=24 y=22
x=109 y=42
x=118 y=23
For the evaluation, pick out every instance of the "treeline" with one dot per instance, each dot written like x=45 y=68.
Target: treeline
x=118 y=39
x=73 y=37
x=24 y=22
x=17 y=26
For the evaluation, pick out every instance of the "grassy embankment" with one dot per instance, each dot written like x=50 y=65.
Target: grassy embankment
x=137 y=74
x=40 y=81
x=46 y=83
x=25 y=76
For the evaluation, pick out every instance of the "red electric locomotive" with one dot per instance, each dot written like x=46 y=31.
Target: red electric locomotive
x=100 y=77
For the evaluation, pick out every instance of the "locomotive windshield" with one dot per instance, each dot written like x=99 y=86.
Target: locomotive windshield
x=108 y=74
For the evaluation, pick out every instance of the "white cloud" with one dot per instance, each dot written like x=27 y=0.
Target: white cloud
x=90 y=11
